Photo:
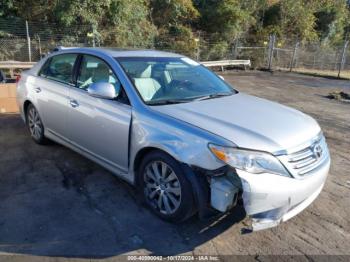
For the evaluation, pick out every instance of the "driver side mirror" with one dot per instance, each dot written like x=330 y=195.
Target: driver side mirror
x=104 y=90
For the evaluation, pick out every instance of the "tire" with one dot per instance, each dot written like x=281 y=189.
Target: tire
x=35 y=125
x=168 y=194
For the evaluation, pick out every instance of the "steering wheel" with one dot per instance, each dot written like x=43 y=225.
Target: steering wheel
x=174 y=86
x=180 y=84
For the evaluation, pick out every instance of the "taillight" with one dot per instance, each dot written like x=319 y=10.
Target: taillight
x=18 y=77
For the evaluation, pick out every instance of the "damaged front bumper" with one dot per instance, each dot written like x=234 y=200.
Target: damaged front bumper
x=268 y=199
x=274 y=217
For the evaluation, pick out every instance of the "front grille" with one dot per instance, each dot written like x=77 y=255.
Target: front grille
x=303 y=161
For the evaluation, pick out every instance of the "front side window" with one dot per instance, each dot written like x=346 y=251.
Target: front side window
x=60 y=68
x=164 y=80
x=94 y=70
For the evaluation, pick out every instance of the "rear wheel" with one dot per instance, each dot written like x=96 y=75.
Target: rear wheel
x=166 y=189
x=35 y=125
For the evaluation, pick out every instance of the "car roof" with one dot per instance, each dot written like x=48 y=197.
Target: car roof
x=117 y=52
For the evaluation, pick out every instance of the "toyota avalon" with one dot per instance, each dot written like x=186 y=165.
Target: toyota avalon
x=189 y=141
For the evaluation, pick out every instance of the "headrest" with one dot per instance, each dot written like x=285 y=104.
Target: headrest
x=102 y=68
x=147 y=72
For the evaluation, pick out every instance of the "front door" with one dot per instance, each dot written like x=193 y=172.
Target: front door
x=99 y=126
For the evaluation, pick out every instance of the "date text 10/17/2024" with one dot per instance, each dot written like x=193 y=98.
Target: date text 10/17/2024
x=173 y=258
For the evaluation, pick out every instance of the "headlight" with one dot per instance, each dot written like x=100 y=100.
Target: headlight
x=251 y=161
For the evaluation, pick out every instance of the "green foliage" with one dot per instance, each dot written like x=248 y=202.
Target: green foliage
x=178 y=39
x=225 y=18
x=173 y=19
x=127 y=24
x=216 y=51
x=112 y=22
x=173 y=12
x=305 y=20
x=177 y=24
x=7 y=8
x=332 y=22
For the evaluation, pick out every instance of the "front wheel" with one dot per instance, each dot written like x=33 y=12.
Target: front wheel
x=166 y=189
x=35 y=125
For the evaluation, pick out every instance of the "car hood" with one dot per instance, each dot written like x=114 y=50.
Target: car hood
x=248 y=121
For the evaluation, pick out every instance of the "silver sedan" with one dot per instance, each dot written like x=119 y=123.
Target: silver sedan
x=190 y=142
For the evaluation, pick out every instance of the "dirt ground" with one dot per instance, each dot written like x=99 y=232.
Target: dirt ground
x=56 y=203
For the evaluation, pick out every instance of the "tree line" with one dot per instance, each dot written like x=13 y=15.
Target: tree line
x=178 y=24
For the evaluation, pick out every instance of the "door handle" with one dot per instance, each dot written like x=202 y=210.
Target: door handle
x=37 y=89
x=74 y=103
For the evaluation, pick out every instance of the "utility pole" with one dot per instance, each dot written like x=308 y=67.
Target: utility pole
x=235 y=51
x=28 y=41
x=39 y=44
x=294 y=56
x=343 y=57
x=93 y=36
x=198 y=42
x=271 y=49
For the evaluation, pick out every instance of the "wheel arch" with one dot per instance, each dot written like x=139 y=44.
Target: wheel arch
x=140 y=155
x=198 y=181
x=25 y=108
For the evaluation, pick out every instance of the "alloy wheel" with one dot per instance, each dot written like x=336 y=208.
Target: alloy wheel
x=34 y=122
x=162 y=187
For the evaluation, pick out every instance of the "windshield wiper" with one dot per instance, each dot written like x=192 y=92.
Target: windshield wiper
x=178 y=101
x=167 y=102
x=216 y=95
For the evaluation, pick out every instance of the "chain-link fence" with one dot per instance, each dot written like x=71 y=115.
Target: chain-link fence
x=293 y=55
x=26 y=41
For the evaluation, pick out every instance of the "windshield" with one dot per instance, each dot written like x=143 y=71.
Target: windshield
x=166 y=80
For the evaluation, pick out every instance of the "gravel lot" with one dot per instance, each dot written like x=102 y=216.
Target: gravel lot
x=56 y=203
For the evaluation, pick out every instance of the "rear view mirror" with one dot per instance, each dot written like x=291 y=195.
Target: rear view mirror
x=104 y=90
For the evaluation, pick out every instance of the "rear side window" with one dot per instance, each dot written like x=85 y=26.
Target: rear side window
x=44 y=68
x=60 y=68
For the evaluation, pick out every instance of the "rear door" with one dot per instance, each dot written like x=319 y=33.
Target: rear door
x=52 y=89
x=99 y=126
